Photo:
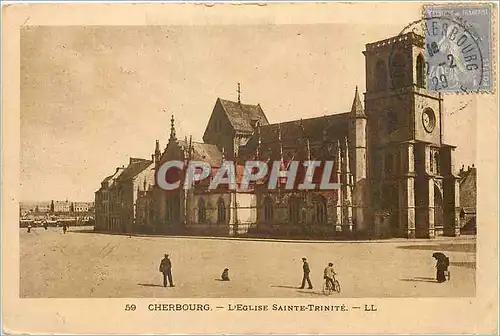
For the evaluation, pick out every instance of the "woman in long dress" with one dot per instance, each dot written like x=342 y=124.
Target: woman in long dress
x=441 y=266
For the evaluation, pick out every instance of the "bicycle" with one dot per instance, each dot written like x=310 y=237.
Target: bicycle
x=328 y=289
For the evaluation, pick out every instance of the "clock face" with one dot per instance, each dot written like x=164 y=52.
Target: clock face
x=428 y=120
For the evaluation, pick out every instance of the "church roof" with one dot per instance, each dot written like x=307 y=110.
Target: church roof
x=203 y=152
x=332 y=127
x=335 y=125
x=243 y=116
x=134 y=168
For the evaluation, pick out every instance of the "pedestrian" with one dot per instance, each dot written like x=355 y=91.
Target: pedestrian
x=166 y=269
x=442 y=264
x=225 y=274
x=29 y=228
x=64 y=228
x=307 y=270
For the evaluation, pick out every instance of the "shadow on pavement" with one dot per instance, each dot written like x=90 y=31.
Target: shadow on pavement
x=465 y=264
x=442 y=247
x=289 y=287
x=149 y=285
x=420 y=279
x=310 y=292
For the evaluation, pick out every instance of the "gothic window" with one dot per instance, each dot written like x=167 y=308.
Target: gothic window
x=380 y=76
x=217 y=125
x=420 y=71
x=398 y=70
x=392 y=121
x=293 y=210
x=319 y=205
x=397 y=163
x=377 y=165
x=168 y=209
x=431 y=162
x=389 y=163
x=386 y=197
x=221 y=211
x=202 y=213
x=436 y=162
x=268 y=209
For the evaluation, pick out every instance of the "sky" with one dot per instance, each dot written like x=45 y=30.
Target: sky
x=92 y=97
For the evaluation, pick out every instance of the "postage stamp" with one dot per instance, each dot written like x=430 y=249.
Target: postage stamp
x=458 y=47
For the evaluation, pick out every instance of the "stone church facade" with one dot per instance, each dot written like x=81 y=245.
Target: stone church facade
x=397 y=176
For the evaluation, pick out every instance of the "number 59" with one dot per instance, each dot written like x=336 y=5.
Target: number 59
x=130 y=307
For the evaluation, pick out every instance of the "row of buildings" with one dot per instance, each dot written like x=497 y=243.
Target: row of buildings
x=398 y=178
x=56 y=208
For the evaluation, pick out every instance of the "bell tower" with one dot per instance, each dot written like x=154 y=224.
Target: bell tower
x=411 y=170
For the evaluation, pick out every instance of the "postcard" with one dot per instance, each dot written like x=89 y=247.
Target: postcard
x=250 y=168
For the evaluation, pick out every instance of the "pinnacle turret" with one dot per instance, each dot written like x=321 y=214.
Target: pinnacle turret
x=357 y=107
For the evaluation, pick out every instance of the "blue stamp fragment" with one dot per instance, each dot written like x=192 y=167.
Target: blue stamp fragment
x=458 y=47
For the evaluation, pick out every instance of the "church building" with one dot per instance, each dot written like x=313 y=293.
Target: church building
x=397 y=176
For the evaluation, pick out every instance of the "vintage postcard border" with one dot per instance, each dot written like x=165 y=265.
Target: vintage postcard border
x=109 y=316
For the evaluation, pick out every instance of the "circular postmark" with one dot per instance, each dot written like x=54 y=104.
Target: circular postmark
x=453 y=60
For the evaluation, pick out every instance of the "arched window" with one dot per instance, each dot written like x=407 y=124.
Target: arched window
x=420 y=71
x=389 y=163
x=436 y=162
x=397 y=163
x=392 y=121
x=319 y=205
x=293 y=210
x=380 y=76
x=221 y=211
x=398 y=70
x=202 y=213
x=431 y=162
x=268 y=209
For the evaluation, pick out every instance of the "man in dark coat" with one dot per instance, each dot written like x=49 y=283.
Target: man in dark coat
x=166 y=269
x=443 y=262
x=307 y=270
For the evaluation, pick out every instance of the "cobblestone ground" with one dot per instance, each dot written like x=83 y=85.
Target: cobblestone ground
x=83 y=264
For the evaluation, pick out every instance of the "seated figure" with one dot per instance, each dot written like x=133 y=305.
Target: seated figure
x=225 y=274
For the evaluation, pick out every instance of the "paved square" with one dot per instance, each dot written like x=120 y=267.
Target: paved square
x=83 y=264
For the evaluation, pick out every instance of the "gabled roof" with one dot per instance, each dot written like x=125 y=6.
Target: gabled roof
x=109 y=179
x=203 y=152
x=330 y=128
x=134 y=168
x=467 y=174
x=243 y=116
x=335 y=125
